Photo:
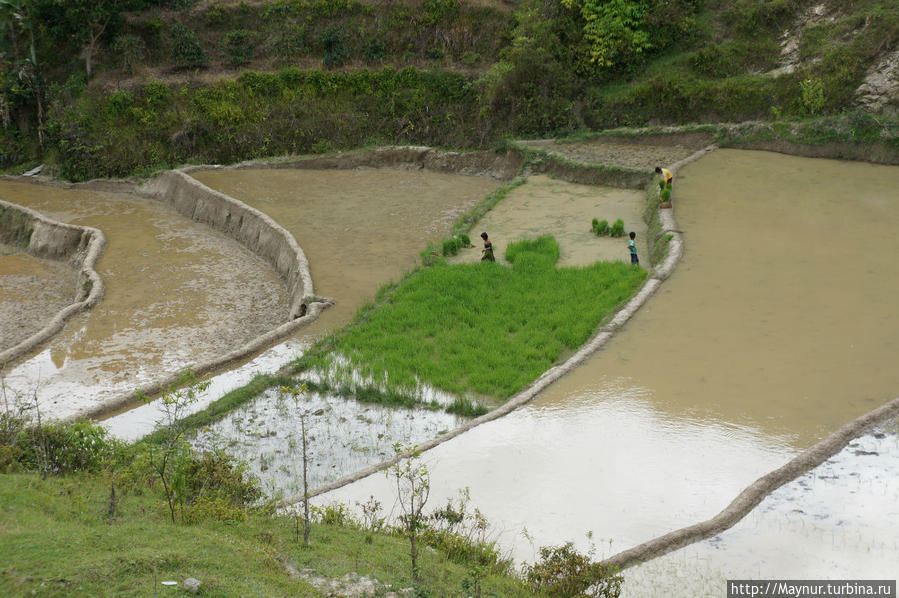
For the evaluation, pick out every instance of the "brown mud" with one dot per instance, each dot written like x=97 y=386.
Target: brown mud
x=359 y=229
x=32 y=291
x=544 y=206
x=176 y=293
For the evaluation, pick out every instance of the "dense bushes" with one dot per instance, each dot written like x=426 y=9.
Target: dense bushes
x=257 y=115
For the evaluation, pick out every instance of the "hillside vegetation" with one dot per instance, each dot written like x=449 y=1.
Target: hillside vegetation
x=116 y=87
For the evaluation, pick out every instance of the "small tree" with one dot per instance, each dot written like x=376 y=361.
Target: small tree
x=566 y=573
x=130 y=49
x=413 y=486
x=186 y=49
x=812 y=95
x=169 y=453
x=295 y=392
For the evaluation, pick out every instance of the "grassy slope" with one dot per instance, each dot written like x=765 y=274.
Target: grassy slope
x=486 y=328
x=58 y=541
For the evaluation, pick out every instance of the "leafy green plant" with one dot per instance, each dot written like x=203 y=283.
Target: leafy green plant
x=600 y=227
x=170 y=455
x=130 y=49
x=470 y=58
x=617 y=229
x=413 y=487
x=292 y=42
x=664 y=196
x=333 y=46
x=450 y=246
x=185 y=47
x=812 y=91
x=239 y=45
x=373 y=51
x=563 y=572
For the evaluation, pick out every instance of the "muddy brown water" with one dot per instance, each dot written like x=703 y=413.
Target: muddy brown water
x=778 y=326
x=32 y=291
x=177 y=293
x=359 y=228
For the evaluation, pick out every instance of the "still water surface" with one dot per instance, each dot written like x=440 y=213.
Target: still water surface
x=177 y=293
x=778 y=326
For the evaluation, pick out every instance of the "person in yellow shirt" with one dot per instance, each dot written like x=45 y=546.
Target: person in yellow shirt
x=666 y=175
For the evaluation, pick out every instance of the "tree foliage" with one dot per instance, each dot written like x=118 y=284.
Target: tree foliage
x=616 y=30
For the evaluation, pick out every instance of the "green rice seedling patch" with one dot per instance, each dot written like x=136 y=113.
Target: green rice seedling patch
x=482 y=328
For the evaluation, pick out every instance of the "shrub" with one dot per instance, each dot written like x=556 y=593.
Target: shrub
x=57 y=448
x=617 y=229
x=470 y=59
x=130 y=49
x=812 y=95
x=239 y=45
x=373 y=50
x=292 y=42
x=185 y=47
x=333 y=46
x=600 y=227
x=564 y=572
x=117 y=103
x=157 y=94
x=216 y=476
x=215 y=15
x=439 y=10
x=464 y=240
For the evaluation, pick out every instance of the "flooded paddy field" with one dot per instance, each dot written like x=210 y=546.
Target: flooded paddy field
x=32 y=291
x=177 y=293
x=359 y=229
x=544 y=206
x=838 y=521
x=343 y=436
x=777 y=327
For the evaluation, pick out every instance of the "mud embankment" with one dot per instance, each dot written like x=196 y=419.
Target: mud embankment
x=502 y=166
x=250 y=227
x=78 y=246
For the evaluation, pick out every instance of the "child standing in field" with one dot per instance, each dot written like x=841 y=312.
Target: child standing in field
x=487 y=254
x=632 y=246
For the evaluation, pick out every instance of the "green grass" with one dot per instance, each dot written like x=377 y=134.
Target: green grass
x=59 y=541
x=483 y=328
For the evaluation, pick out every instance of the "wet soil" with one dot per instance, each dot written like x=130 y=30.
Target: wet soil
x=545 y=206
x=177 y=293
x=621 y=153
x=32 y=291
x=360 y=228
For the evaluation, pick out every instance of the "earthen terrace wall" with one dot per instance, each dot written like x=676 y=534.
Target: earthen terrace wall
x=42 y=237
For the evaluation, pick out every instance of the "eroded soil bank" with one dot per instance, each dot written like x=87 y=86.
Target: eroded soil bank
x=777 y=327
x=32 y=291
x=359 y=228
x=177 y=293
